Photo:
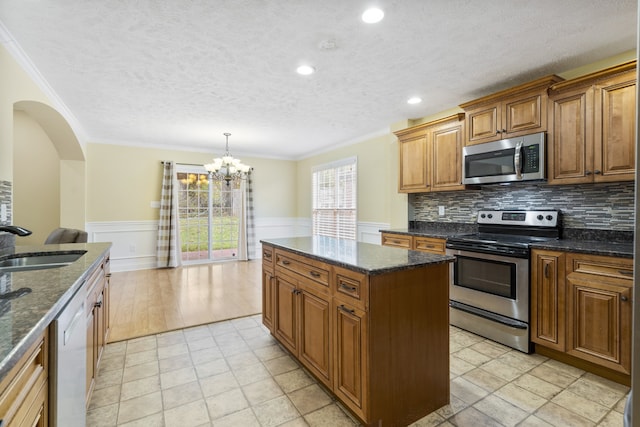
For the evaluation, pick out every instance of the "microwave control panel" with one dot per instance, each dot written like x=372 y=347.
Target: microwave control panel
x=531 y=154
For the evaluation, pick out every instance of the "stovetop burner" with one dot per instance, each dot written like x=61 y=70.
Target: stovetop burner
x=509 y=232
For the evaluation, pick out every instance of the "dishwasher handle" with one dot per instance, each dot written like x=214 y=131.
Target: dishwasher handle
x=68 y=332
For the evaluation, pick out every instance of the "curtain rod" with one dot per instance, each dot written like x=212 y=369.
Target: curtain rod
x=185 y=164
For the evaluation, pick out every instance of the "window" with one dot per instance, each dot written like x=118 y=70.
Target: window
x=209 y=214
x=335 y=198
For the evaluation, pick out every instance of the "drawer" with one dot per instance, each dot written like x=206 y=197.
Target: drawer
x=318 y=272
x=396 y=240
x=429 y=244
x=267 y=257
x=600 y=265
x=21 y=388
x=352 y=287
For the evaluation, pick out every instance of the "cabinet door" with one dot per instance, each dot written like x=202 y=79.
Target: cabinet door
x=315 y=336
x=286 y=313
x=91 y=341
x=599 y=320
x=268 y=298
x=350 y=381
x=446 y=146
x=523 y=115
x=483 y=124
x=570 y=137
x=414 y=176
x=548 y=299
x=615 y=138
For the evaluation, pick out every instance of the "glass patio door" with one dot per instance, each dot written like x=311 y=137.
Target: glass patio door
x=208 y=215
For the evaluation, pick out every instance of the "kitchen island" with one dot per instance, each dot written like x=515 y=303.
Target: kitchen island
x=371 y=323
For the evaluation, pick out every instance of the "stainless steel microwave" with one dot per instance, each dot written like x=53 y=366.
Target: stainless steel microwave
x=508 y=160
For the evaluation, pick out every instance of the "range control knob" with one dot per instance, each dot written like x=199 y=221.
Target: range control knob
x=482 y=215
x=540 y=217
x=490 y=216
x=549 y=217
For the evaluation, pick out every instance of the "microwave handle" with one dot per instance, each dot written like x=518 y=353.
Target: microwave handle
x=517 y=160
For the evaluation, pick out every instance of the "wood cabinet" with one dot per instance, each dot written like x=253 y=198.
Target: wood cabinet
x=24 y=391
x=548 y=299
x=431 y=156
x=581 y=308
x=417 y=243
x=268 y=286
x=302 y=312
x=512 y=112
x=97 y=320
x=373 y=340
x=592 y=127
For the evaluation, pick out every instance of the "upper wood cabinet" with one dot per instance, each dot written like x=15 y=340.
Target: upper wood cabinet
x=512 y=112
x=431 y=156
x=592 y=125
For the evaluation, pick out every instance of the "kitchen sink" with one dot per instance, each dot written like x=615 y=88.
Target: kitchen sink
x=38 y=261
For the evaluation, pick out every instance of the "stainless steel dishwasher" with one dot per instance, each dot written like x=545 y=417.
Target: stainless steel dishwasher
x=69 y=363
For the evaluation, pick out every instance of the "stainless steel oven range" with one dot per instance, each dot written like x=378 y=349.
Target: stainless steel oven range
x=489 y=290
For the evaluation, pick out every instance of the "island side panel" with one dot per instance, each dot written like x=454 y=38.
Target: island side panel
x=409 y=343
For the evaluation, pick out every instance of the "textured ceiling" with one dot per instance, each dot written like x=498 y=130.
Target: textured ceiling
x=180 y=73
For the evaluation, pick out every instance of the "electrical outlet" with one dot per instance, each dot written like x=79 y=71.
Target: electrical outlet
x=441 y=210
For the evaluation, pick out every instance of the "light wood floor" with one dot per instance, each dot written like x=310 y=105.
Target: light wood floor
x=152 y=301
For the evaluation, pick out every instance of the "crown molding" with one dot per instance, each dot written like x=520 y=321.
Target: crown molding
x=30 y=69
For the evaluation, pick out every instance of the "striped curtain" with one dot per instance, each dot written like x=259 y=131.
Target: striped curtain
x=251 y=228
x=167 y=248
x=246 y=229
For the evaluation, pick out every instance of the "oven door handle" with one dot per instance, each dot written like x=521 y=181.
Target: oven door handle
x=512 y=323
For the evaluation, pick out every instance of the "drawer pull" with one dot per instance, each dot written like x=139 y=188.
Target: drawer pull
x=348 y=288
x=624 y=298
x=346 y=310
x=625 y=272
x=266 y=254
x=285 y=262
x=314 y=273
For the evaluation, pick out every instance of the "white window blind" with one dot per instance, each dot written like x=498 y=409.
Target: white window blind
x=335 y=199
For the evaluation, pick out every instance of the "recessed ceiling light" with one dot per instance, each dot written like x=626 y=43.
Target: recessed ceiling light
x=372 y=15
x=414 y=100
x=305 y=70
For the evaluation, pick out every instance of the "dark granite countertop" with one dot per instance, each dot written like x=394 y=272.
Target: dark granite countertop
x=363 y=257
x=592 y=247
x=594 y=242
x=24 y=319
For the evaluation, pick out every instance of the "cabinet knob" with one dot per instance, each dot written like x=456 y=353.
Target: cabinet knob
x=587 y=173
x=597 y=172
x=98 y=304
x=624 y=298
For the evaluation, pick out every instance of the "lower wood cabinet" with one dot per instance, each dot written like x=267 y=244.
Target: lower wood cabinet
x=97 y=320
x=432 y=245
x=379 y=342
x=582 y=309
x=24 y=391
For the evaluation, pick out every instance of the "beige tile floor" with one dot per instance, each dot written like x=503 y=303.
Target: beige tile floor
x=233 y=373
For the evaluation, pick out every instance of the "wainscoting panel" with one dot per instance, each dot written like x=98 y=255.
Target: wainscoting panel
x=134 y=242
x=369 y=232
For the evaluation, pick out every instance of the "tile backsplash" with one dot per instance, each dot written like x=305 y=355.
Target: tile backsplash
x=6 y=239
x=590 y=206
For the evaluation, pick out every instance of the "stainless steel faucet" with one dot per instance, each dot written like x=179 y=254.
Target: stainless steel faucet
x=15 y=230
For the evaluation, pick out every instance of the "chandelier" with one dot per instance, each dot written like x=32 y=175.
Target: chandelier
x=226 y=167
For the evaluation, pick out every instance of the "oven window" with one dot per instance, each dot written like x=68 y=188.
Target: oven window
x=489 y=276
